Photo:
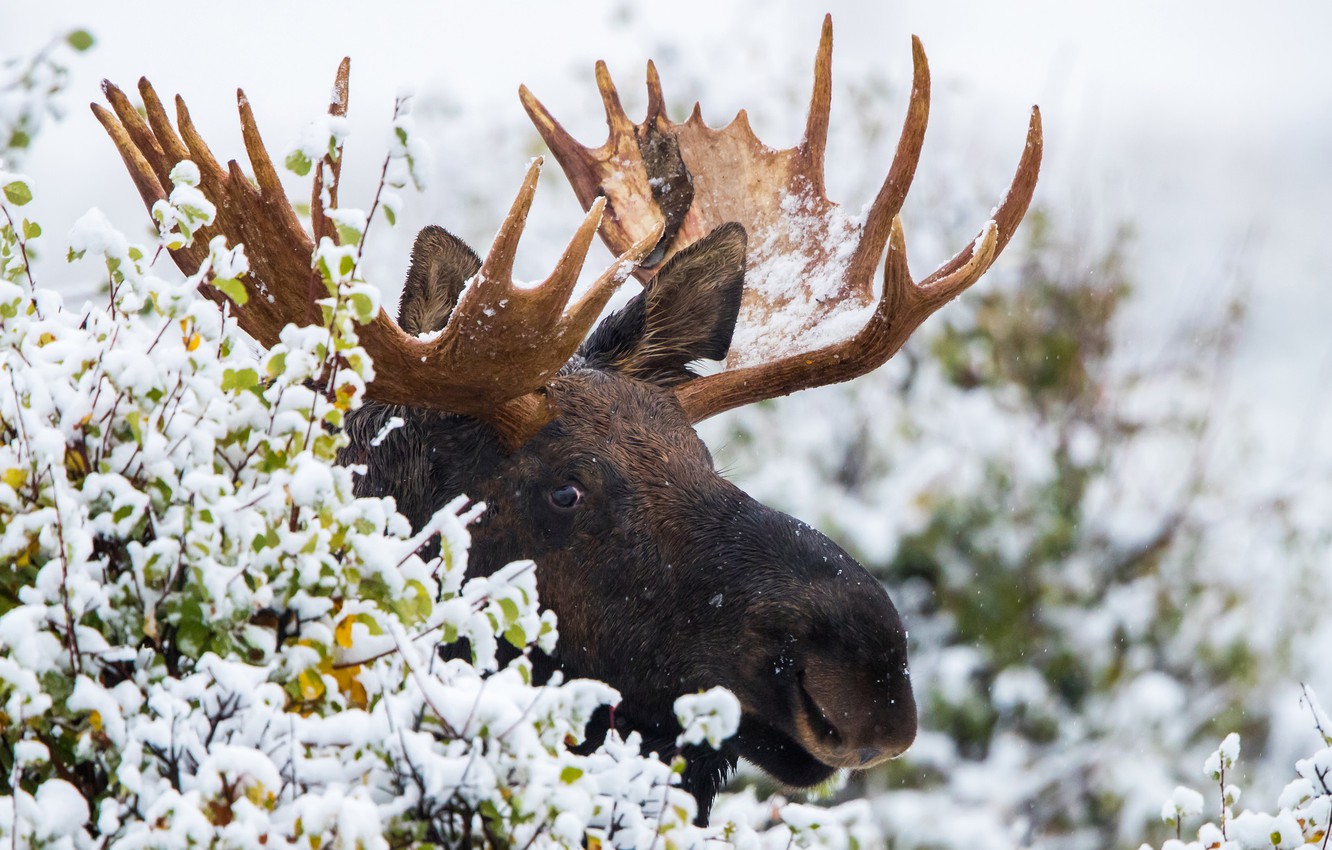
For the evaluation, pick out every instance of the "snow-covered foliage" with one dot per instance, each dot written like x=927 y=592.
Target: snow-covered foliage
x=207 y=640
x=1303 y=807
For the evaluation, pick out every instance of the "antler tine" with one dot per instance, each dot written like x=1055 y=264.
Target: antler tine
x=616 y=121
x=633 y=211
x=337 y=106
x=815 y=143
x=200 y=154
x=138 y=131
x=498 y=266
x=888 y=203
x=1014 y=204
x=656 y=103
x=270 y=185
x=582 y=315
x=534 y=320
x=560 y=284
x=140 y=169
x=173 y=149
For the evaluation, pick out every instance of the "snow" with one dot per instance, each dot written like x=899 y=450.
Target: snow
x=1223 y=759
x=801 y=281
x=711 y=716
x=61 y=809
x=393 y=424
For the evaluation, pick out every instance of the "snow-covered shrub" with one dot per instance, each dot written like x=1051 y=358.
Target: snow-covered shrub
x=1303 y=808
x=207 y=640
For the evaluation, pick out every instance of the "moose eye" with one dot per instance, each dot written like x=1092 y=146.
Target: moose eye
x=566 y=497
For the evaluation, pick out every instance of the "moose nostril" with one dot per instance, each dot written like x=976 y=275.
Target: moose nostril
x=851 y=717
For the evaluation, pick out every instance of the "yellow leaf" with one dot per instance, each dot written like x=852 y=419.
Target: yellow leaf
x=350 y=686
x=14 y=477
x=192 y=342
x=95 y=720
x=343 y=633
x=311 y=684
x=260 y=796
x=76 y=463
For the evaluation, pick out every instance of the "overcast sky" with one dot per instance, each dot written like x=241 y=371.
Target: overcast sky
x=1208 y=125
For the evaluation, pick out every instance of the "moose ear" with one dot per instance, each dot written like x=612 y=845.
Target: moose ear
x=441 y=264
x=686 y=313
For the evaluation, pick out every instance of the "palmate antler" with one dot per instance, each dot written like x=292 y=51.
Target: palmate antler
x=810 y=265
x=502 y=342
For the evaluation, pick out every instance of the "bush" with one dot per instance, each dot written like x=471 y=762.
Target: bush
x=1304 y=806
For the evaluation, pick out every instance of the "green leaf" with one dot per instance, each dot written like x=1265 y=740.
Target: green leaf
x=80 y=40
x=135 y=420
x=276 y=363
x=515 y=635
x=346 y=264
x=298 y=162
x=233 y=289
x=510 y=609
x=391 y=216
x=362 y=307
x=31 y=229
x=18 y=193
x=414 y=605
x=570 y=773
x=192 y=631
x=348 y=235
x=239 y=379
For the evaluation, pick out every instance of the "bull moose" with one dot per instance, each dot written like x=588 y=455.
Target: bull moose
x=666 y=578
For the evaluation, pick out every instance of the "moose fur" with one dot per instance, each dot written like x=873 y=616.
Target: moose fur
x=665 y=577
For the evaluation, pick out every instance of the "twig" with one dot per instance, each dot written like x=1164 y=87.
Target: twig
x=425 y=697
x=27 y=264
x=1312 y=702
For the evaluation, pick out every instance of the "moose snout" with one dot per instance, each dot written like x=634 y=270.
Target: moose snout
x=854 y=717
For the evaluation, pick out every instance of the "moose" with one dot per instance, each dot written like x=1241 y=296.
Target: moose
x=578 y=435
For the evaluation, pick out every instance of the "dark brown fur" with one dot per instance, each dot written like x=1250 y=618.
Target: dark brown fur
x=666 y=578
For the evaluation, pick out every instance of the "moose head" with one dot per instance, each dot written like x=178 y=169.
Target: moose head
x=666 y=578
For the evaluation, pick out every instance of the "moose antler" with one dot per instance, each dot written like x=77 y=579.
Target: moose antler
x=502 y=342
x=809 y=273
